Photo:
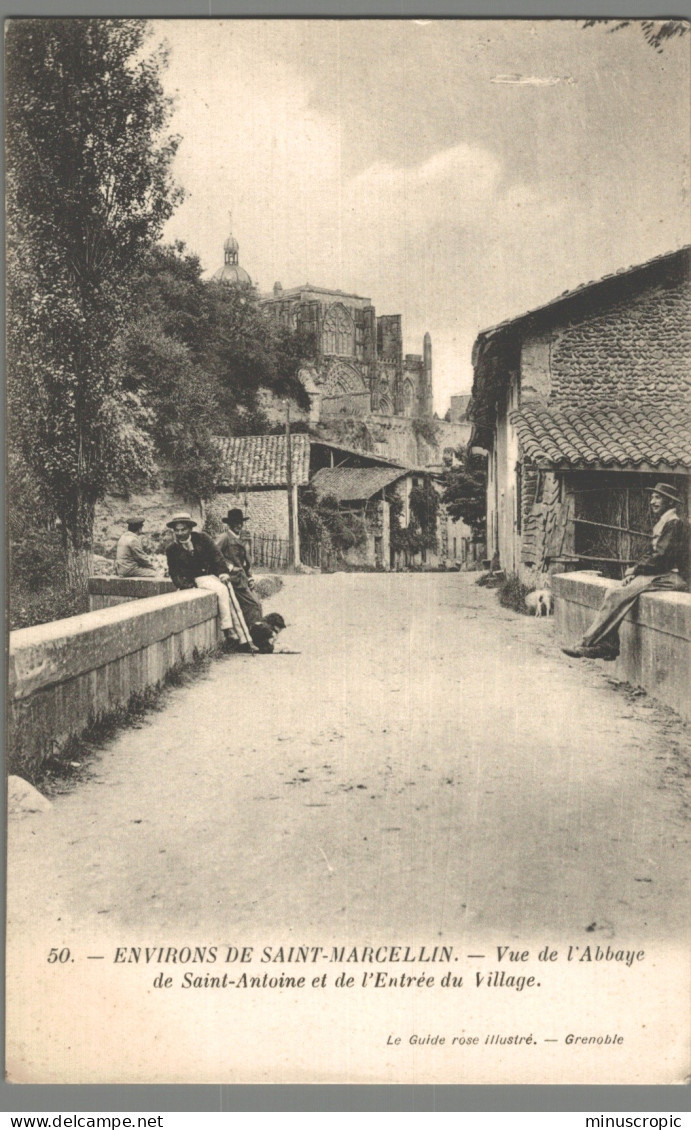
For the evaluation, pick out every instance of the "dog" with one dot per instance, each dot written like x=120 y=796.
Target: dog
x=539 y=602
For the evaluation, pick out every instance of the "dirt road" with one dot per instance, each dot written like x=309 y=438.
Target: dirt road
x=429 y=761
x=429 y=771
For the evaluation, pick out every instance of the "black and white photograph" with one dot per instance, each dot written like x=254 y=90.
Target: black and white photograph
x=348 y=453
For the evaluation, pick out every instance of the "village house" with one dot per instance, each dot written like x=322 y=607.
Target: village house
x=581 y=404
x=255 y=478
x=372 y=492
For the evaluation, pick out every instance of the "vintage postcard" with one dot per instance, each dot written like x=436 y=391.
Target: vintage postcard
x=348 y=392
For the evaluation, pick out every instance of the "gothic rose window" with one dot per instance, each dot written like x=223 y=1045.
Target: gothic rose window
x=339 y=331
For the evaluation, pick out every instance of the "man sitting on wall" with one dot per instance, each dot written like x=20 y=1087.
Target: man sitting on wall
x=130 y=558
x=664 y=569
x=239 y=566
x=195 y=562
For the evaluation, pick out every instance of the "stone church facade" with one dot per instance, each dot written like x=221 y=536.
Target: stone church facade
x=359 y=368
x=364 y=390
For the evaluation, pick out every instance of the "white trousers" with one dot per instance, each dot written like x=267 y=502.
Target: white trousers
x=212 y=584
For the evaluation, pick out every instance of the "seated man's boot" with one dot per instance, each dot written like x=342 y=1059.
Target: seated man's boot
x=605 y=651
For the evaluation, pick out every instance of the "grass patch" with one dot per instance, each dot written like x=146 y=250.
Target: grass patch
x=72 y=761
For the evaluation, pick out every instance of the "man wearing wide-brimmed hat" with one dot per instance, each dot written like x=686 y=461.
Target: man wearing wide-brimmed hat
x=239 y=565
x=195 y=562
x=130 y=558
x=665 y=568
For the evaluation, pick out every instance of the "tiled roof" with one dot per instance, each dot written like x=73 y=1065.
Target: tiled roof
x=260 y=461
x=623 y=273
x=349 y=484
x=605 y=437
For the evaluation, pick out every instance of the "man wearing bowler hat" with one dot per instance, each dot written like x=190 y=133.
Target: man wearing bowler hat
x=195 y=562
x=665 y=568
x=130 y=558
x=239 y=566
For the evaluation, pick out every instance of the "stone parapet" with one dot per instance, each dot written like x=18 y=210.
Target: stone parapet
x=106 y=592
x=655 y=636
x=66 y=674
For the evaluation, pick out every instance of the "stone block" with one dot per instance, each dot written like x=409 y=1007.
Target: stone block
x=65 y=675
x=107 y=592
x=655 y=636
x=51 y=653
x=134 y=588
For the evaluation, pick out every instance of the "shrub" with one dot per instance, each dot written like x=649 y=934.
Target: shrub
x=37 y=559
x=323 y=522
x=53 y=602
x=512 y=593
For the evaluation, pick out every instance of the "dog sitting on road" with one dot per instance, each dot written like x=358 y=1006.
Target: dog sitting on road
x=539 y=602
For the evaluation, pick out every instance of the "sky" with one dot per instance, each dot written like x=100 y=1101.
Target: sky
x=458 y=172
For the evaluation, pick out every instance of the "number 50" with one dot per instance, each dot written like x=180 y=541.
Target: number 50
x=62 y=956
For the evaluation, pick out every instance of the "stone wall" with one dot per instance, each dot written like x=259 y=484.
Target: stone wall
x=655 y=636
x=154 y=506
x=66 y=674
x=398 y=438
x=107 y=592
x=634 y=350
x=266 y=510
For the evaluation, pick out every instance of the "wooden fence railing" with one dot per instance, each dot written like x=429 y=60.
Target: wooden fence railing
x=268 y=551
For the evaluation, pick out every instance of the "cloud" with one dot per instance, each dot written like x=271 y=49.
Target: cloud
x=454 y=184
x=460 y=188
x=532 y=80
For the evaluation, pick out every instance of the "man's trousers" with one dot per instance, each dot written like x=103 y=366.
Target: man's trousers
x=225 y=613
x=249 y=603
x=618 y=601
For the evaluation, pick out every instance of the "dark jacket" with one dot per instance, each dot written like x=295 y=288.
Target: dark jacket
x=234 y=551
x=671 y=552
x=204 y=561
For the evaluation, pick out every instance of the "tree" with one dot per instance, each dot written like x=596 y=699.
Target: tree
x=162 y=349
x=247 y=352
x=197 y=355
x=655 y=32
x=464 y=495
x=424 y=507
x=89 y=189
x=421 y=532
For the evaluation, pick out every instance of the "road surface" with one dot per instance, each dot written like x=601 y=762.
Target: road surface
x=429 y=758
x=430 y=769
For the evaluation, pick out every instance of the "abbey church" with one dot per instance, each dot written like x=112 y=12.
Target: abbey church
x=358 y=370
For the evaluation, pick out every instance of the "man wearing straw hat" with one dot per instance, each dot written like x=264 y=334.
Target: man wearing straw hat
x=665 y=568
x=195 y=562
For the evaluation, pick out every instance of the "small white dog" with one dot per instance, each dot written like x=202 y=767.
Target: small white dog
x=539 y=602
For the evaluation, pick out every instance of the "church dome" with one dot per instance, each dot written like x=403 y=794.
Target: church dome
x=231 y=273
